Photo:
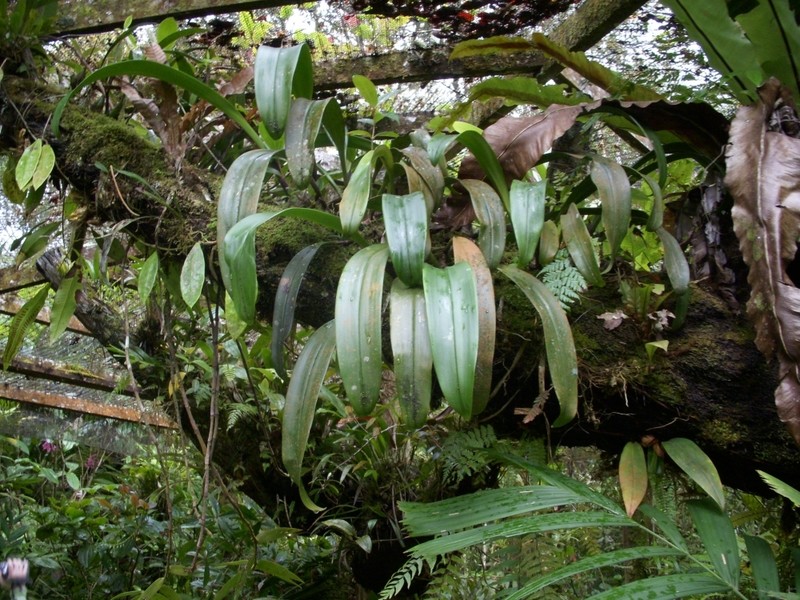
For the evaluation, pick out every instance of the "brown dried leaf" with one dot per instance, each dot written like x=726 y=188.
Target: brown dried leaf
x=155 y=53
x=763 y=175
x=144 y=106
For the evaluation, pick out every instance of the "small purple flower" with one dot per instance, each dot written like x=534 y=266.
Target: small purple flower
x=91 y=463
x=48 y=446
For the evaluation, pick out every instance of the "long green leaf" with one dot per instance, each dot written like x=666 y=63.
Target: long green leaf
x=615 y=197
x=147 y=277
x=63 y=306
x=359 y=299
x=239 y=252
x=406 y=220
x=666 y=587
x=473 y=510
x=367 y=90
x=516 y=527
x=579 y=244
x=465 y=250
x=548 y=242
x=666 y=525
x=148 y=68
x=279 y=74
x=411 y=348
x=356 y=195
x=784 y=489
x=674 y=262
x=527 y=217
x=762 y=561
x=451 y=302
x=632 y=476
x=20 y=324
x=559 y=345
x=718 y=537
x=286 y=301
x=428 y=175
x=606 y=559
x=240 y=191
x=492 y=217
x=304 y=123
x=488 y=161
x=696 y=464
x=193 y=275
x=500 y=44
x=301 y=401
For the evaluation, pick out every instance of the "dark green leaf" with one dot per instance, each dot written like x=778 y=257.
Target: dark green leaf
x=63 y=306
x=487 y=159
x=696 y=464
x=20 y=324
x=665 y=587
x=718 y=537
x=762 y=561
x=579 y=244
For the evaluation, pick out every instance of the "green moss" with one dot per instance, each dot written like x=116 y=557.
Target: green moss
x=722 y=432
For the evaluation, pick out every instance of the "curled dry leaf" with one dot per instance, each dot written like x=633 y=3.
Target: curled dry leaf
x=763 y=175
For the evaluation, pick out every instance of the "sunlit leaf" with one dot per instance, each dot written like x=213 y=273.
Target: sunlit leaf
x=632 y=476
x=465 y=250
x=193 y=275
x=406 y=221
x=411 y=348
x=500 y=44
x=451 y=302
x=492 y=217
x=527 y=217
x=63 y=306
x=696 y=464
x=559 y=344
x=359 y=299
x=367 y=90
x=301 y=401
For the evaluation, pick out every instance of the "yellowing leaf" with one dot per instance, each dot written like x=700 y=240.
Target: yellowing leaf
x=632 y=476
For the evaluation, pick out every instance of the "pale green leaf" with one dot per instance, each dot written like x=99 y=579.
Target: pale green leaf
x=63 y=306
x=500 y=44
x=614 y=190
x=548 y=242
x=146 y=279
x=696 y=464
x=281 y=73
x=367 y=90
x=527 y=217
x=579 y=244
x=411 y=348
x=719 y=538
x=451 y=303
x=406 y=221
x=356 y=195
x=632 y=476
x=665 y=587
x=44 y=167
x=26 y=165
x=35 y=241
x=559 y=344
x=304 y=122
x=193 y=275
x=674 y=262
x=492 y=218
x=73 y=481
x=359 y=299
x=430 y=178
x=301 y=401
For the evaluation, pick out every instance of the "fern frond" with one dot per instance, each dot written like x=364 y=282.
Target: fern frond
x=563 y=279
x=462 y=454
x=404 y=576
x=237 y=411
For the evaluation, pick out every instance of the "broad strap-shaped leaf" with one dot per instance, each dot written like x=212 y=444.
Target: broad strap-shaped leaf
x=356 y=195
x=590 y=563
x=696 y=464
x=146 y=279
x=727 y=48
x=239 y=252
x=305 y=119
x=411 y=348
x=549 y=242
x=762 y=561
x=559 y=344
x=240 y=191
x=359 y=299
x=451 y=303
x=579 y=244
x=406 y=220
x=491 y=215
x=21 y=322
x=193 y=275
x=429 y=175
x=632 y=476
x=484 y=163
x=465 y=250
x=286 y=301
x=148 y=68
x=527 y=217
x=667 y=526
x=665 y=587
x=763 y=172
x=281 y=73
x=301 y=401
x=719 y=539
x=473 y=510
x=63 y=306
x=615 y=195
